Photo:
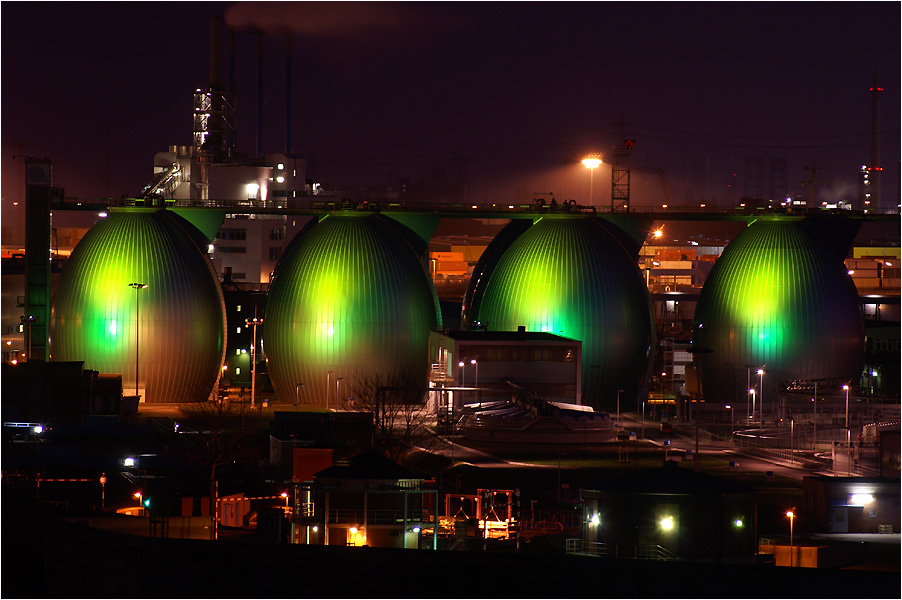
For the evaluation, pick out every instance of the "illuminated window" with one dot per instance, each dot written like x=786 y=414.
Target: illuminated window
x=238 y=309
x=238 y=371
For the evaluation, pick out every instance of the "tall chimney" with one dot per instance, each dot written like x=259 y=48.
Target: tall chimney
x=216 y=54
x=875 y=169
x=288 y=94
x=259 y=93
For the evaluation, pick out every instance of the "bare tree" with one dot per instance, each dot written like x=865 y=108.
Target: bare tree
x=396 y=400
x=216 y=433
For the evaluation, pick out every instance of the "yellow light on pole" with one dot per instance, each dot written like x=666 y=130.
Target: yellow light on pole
x=591 y=162
x=791 y=516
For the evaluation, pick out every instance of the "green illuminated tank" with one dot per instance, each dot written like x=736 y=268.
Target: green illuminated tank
x=349 y=298
x=778 y=298
x=180 y=315
x=571 y=276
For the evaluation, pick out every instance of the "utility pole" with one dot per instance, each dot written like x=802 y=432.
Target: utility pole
x=253 y=324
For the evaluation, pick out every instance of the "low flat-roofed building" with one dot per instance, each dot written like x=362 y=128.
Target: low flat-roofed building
x=484 y=366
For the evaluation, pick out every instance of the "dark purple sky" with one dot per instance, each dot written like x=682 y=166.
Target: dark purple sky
x=507 y=96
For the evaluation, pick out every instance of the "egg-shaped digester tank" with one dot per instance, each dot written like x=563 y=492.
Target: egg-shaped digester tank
x=350 y=299
x=778 y=299
x=171 y=333
x=571 y=276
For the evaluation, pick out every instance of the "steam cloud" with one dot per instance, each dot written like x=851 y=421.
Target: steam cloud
x=329 y=19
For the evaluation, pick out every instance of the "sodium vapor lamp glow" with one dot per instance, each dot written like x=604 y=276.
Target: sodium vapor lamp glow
x=591 y=162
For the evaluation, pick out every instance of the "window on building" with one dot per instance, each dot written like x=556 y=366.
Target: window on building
x=277 y=234
x=275 y=252
x=228 y=233
x=231 y=250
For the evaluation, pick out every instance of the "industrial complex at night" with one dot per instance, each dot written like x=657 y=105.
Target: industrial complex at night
x=241 y=381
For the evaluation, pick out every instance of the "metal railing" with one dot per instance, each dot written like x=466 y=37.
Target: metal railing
x=643 y=550
x=583 y=548
x=378 y=516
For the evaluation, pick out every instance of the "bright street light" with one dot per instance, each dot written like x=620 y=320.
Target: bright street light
x=846 y=387
x=752 y=392
x=791 y=516
x=591 y=162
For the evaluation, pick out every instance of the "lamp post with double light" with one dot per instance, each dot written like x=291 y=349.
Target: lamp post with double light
x=137 y=287
x=252 y=323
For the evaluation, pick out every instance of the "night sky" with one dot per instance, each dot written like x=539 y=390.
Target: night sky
x=505 y=97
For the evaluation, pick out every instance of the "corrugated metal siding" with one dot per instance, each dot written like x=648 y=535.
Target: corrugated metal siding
x=776 y=297
x=182 y=313
x=570 y=277
x=349 y=296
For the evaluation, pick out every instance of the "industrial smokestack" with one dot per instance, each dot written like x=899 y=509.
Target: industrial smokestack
x=874 y=169
x=288 y=94
x=260 y=93
x=231 y=59
x=216 y=54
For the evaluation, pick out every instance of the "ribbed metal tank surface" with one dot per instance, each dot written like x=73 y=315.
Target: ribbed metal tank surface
x=349 y=298
x=179 y=318
x=778 y=298
x=568 y=275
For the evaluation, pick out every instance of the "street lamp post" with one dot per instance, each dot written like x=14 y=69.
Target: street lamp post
x=761 y=392
x=791 y=516
x=846 y=388
x=253 y=324
x=732 y=422
x=328 y=387
x=28 y=320
x=476 y=379
x=752 y=392
x=137 y=287
x=338 y=391
x=297 y=396
x=848 y=431
x=814 y=441
x=591 y=162
x=618 y=409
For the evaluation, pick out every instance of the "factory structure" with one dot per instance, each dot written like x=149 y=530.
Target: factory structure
x=238 y=276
